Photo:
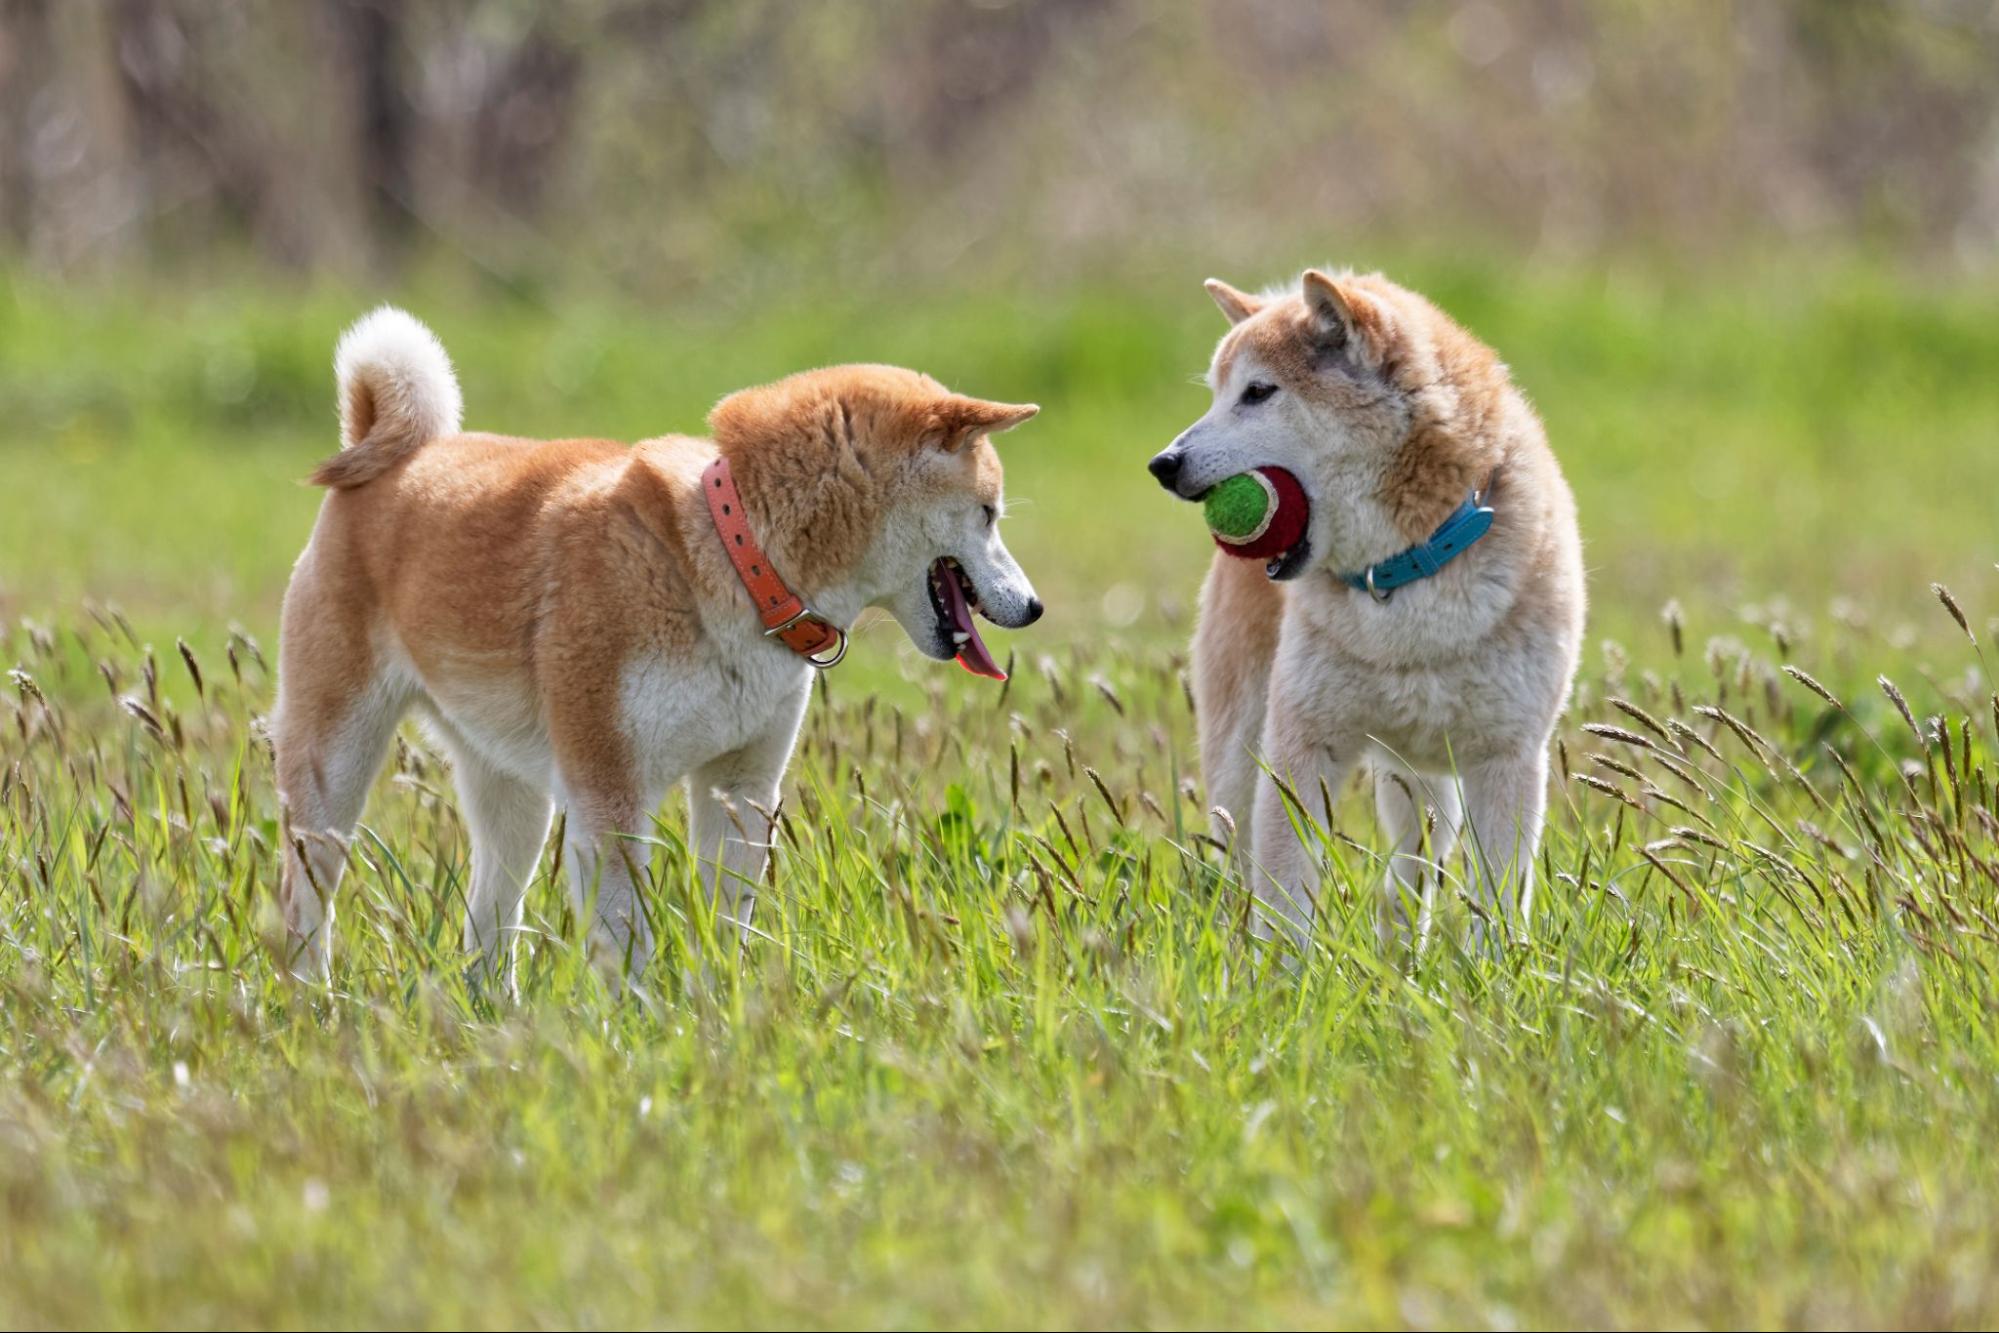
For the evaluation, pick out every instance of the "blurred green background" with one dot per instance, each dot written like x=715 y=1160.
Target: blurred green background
x=1740 y=256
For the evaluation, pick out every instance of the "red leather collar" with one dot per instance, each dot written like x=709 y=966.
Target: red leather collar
x=784 y=613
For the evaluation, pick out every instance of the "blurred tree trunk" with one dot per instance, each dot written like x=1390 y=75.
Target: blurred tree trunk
x=192 y=141
x=372 y=38
x=523 y=119
x=24 y=49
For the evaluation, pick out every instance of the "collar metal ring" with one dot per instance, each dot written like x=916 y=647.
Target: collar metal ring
x=839 y=649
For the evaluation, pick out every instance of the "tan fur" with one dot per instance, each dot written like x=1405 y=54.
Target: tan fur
x=509 y=589
x=792 y=448
x=1390 y=413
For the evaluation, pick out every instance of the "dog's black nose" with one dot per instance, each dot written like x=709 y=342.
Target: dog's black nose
x=1166 y=467
x=1034 y=609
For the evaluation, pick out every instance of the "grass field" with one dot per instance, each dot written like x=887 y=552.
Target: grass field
x=1004 y=1054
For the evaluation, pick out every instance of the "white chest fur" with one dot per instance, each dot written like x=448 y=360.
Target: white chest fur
x=679 y=713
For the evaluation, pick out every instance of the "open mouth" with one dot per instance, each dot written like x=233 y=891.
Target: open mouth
x=954 y=599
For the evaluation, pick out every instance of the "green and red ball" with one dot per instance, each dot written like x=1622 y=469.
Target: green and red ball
x=1258 y=514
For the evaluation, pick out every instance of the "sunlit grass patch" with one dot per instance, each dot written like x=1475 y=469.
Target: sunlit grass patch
x=1002 y=1050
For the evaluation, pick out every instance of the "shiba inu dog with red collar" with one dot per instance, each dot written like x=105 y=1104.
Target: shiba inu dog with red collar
x=1426 y=619
x=590 y=623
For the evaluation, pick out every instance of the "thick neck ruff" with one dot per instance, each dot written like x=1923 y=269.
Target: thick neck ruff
x=1470 y=521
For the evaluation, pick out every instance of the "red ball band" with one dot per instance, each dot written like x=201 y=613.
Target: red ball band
x=1286 y=527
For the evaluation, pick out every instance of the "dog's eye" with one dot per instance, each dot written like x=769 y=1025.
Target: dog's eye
x=1256 y=393
x=992 y=514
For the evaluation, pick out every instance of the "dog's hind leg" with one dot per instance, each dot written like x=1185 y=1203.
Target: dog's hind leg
x=1233 y=647
x=1403 y=801
x=1505 y=801
x=1229 y=767
x=337 y=710
x=509 y=822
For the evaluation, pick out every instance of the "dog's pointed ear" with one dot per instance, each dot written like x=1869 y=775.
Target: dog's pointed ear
x=1339 y=311
x=1238 y=306
x=957 y=421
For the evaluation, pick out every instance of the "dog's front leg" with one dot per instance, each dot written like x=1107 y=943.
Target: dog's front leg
x=605 y=877
x=731 y=802
x=1285 y=873
x=1505 y=801
x=1404 y=800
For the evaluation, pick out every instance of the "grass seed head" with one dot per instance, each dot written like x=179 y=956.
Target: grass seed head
x=1956 y=611
x=1902 y=706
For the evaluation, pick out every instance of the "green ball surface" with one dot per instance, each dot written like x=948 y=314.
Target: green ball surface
x=1237 y=505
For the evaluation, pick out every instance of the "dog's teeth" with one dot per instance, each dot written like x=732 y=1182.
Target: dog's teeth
x=959 y=636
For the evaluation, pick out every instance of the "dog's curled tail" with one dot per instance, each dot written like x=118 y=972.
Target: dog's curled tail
x=397 y=393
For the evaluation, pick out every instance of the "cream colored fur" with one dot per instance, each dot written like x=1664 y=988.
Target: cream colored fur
x=1389 y=413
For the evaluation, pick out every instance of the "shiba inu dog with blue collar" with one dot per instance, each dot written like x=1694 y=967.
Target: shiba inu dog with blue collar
x=591 y=623
x=1425 y=617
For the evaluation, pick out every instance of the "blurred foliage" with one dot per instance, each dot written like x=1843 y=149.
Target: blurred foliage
x=732 y=148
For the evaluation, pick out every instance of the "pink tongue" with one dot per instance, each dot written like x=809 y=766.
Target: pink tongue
x=972 y=653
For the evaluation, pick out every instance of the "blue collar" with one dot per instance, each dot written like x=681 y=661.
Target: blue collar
x=1465 y=526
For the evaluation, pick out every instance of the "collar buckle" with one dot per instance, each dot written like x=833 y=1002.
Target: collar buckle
x=806 y=613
